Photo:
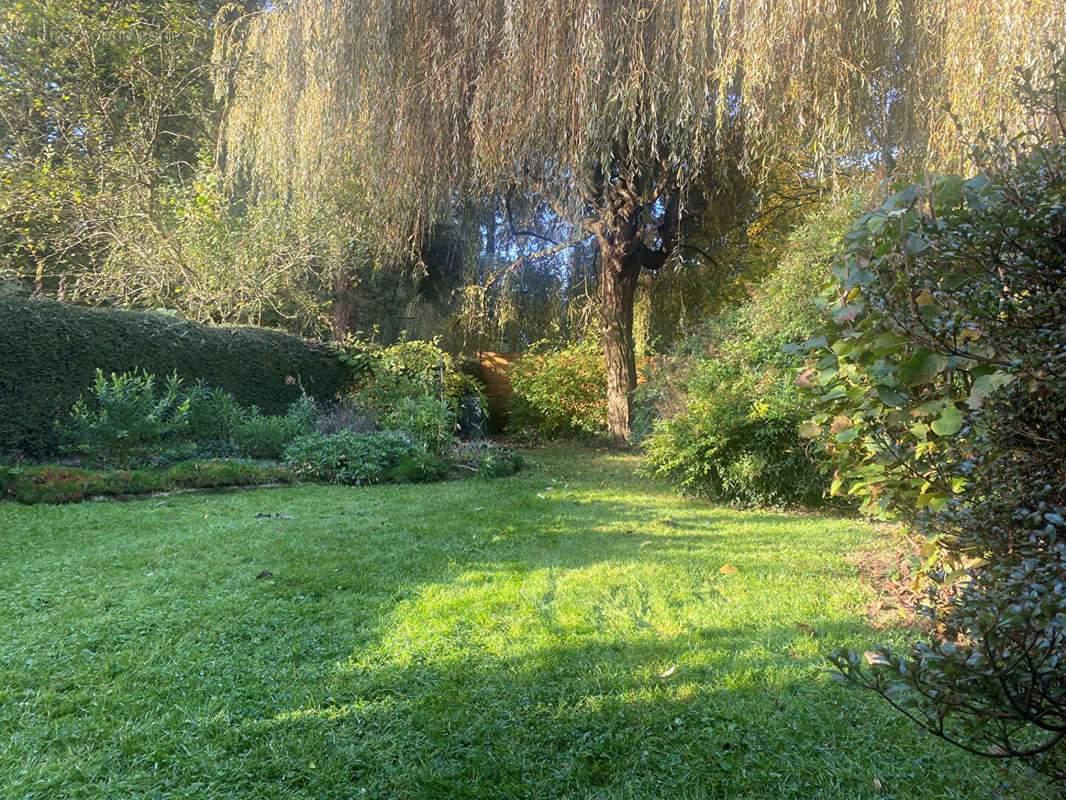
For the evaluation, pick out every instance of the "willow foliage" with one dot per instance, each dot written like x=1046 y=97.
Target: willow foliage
x=400 y=107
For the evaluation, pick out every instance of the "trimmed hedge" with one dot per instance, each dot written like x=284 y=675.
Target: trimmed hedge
x=49 y=352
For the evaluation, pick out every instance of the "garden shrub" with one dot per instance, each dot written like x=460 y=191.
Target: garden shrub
x=559 y=391
x=735 y=438
x=421 y=465
x=426 y=420
x=124 y=415
x=720 y=416
x=941 y=381
x=264 y=436
x=213 y=413
x=487 y=459
x=49 y=353
x=407 y=370
x=349 y=457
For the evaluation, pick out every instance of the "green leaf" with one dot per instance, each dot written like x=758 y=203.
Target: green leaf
x=847 y=435
x=889 y=397
x=985 y=385
x=922 y=367
x=915 y=244
x=949 y=422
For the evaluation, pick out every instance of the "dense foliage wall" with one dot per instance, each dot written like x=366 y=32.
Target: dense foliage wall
x=49 y=352
x=721 y=411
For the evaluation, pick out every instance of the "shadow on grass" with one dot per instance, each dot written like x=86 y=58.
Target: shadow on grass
x=415 y=643
x=595 y=719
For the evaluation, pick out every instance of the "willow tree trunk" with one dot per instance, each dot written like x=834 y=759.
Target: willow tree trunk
x=618 y=233
x=620 y=270
x=342 y=311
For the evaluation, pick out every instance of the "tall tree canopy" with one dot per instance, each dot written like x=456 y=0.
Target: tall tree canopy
x=616 y=111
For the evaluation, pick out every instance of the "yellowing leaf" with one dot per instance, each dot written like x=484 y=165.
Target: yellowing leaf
x=728 y=569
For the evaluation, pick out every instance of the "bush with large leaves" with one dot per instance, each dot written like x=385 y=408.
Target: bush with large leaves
x=943 y=385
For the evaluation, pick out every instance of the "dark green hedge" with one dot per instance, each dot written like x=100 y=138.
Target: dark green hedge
x=49 y=352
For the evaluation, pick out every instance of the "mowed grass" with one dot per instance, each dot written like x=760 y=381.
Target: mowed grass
x=565 y=633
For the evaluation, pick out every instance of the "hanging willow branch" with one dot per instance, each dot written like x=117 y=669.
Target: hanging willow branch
x=404 y=106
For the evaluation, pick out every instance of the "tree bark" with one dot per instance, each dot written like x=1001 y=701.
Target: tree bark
x=342 y=309
x=619 y=285
x=622 y=249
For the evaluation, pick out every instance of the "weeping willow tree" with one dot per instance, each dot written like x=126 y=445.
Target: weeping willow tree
x=617 y=111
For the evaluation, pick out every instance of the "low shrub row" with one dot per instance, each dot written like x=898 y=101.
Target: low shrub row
x=158 y=434
x=60 y=484
x=356 y=458
x=133 y=419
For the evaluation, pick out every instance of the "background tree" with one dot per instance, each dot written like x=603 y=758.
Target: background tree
x=99 y=103
x=108 y=192
x=611 y=111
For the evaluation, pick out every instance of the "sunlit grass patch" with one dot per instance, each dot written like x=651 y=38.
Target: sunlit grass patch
x=484 y=638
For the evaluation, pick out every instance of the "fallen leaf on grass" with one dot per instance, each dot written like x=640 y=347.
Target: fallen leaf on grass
x=644 y=543
x=728 y=569
x=807 y=629
x=666 y=673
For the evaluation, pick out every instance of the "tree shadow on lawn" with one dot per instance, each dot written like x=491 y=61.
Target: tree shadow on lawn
x=536 y=661
x=488 y=658
x=596 y=719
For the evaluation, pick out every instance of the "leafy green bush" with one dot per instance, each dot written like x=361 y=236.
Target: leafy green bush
x=735 y=438
x=213 y=413
x=407 y=370
x=425 y=420
x=351 y=458
x=942 y=385
x=420 y=466
x=261 y=436
x=487 y=459
x=559 y=391
x=720 y=417
x=50 y=352
x=125 y=415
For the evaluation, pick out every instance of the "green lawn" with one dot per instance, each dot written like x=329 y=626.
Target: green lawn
x=473 y=639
